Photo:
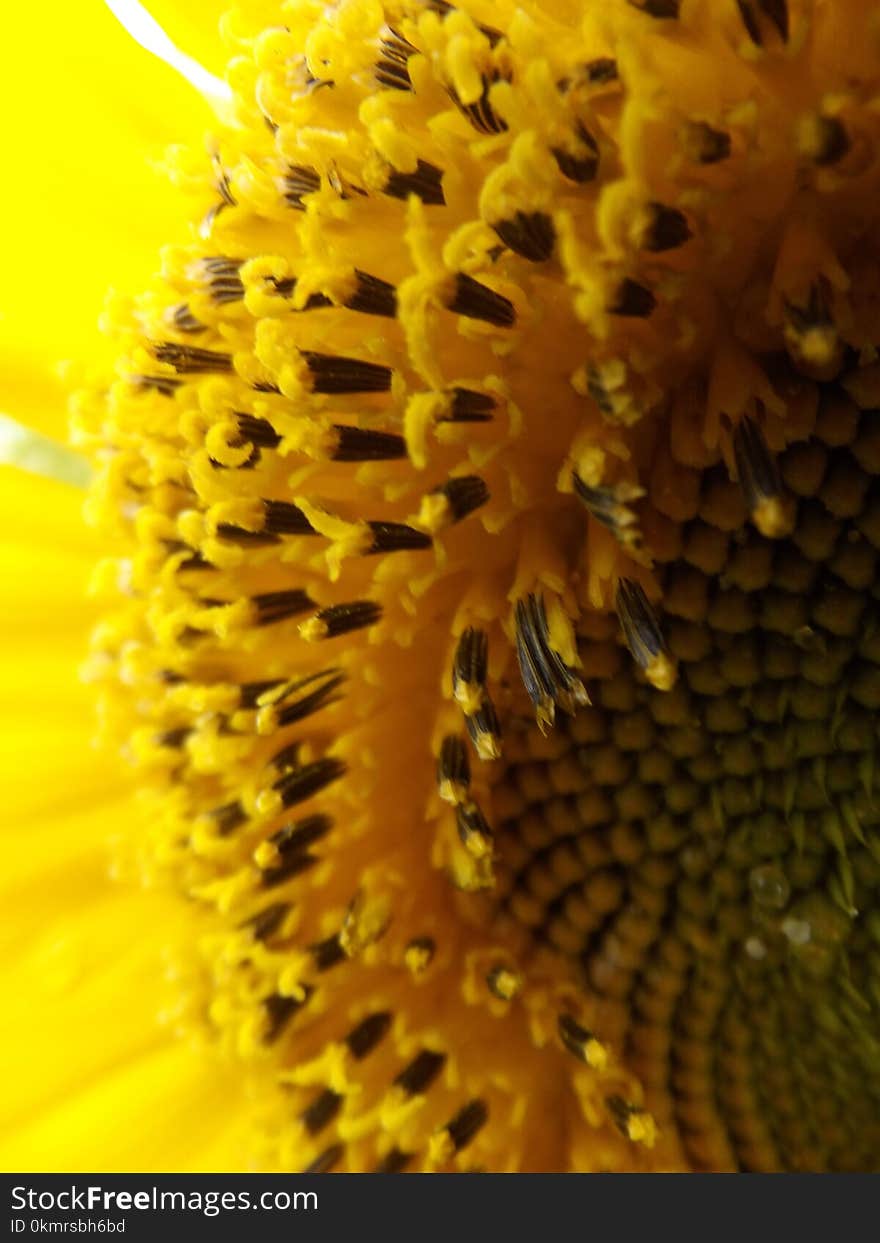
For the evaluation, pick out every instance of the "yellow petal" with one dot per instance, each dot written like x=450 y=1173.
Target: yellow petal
x=84 y=204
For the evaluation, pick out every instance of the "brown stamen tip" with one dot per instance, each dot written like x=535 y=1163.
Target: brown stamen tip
x=632 y=300
x=772 y=510
x=300 y=784
x=397 y=537
x=481 y=114
x=666 y=228
x=276 y=606
x=190 y=359
x=332 y=373
x=473 y=830
x=579 y=162
x=581 y=1043
x=420 y=1073
x=453 y=770
x=657 y=8
x=475 y=300
x=339 y=619
x=298 y=182
x=530 y=234
x=548 y=680
x=326 y=1161
x=643 y=635
x=368 y=1034
x=426 y=183
x=469 y=670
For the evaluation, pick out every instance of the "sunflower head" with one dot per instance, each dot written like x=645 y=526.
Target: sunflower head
x=494 y=619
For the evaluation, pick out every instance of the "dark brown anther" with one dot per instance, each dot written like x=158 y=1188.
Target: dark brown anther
x=285 y=287
x=667 y=228
x=453 y=770
x=464 y=494
x=266 y=923
x=332 y=373
x=395 y=1161
x=644 y=638
x=581 y=164
x=705 y=144
x=276 y=606
x=327 y=1160
x=372 y=296
x=426 y=183
x=362 y=444
x=466 y=1123
x=657 y=8
x=485 y=730
x=296 y=837
x=530 y=234
x=611 y=506
x=469 y=406
x=173 y=738
x=581 y=1043
x=220 y=274
x=633 y=1122
x=469 y=668
x=250 y=692
x=421 y=1072
x=548 y=680
x=229 y=817
x=259 y=432
x=632 y=300
x=774 y=11
x=299 y=181
x=164 y=384
x=327 y=953
x=396 y=537
x=600 y=71
x=481 y=114
x=391 y=68
x=279 y=518
x=831 y=141
x=477 y=301
x=444 y=8
x=322 y=1111
x=182 y=318
x=339 y=619
x=190 y=359
x=280 y=1010
x=364 y=1038
x=473 y=830
x=223 y=187
x=299 y=785
x=771 y=509
x=322 y=696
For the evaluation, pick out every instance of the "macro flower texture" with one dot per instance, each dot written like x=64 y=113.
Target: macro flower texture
x=479 y=553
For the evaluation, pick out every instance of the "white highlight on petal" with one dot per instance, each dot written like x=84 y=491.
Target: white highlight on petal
x=22 y=447
x=146 y=31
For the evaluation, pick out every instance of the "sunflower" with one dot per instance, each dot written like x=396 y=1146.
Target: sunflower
x=485 y=492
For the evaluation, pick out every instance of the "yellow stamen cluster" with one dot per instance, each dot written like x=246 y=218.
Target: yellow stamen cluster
x=493 y=622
